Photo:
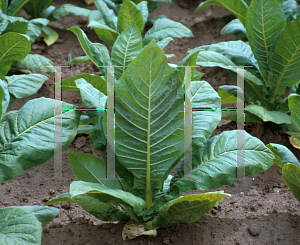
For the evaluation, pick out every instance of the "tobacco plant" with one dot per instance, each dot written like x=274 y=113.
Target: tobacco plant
x=109 y=24
x=290 y=8
x=273 y=54
x=149 y=143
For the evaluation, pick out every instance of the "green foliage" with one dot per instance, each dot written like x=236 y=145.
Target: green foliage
x=23 y=225
x=272 y=51
x=149 y=142
x=290 y=167
x=109 y=24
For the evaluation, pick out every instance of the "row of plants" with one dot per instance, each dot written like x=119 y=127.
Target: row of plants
x=149 y=130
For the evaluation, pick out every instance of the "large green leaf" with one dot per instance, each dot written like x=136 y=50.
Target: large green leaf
x=265 y=20
x=95 y=80
x=130 y=15
x=268 y=116
x=143 y=8
x=125 y=49
x=36 y=62
x=14 y=6
x=22 y=86
x=14 y=46
x=228 y=94
x=18 y=226
x=282 y=155
x=35 y=8
x=27 y=136
x=185 y=209
x=104 y=194
x=237 y=7
x=291 y=176
x=89 y=168
x=205 y=104
x=237 y=28
x=1 y=100
x=92 y=98
x=101 y=210
x=164 y=28
x=18 y=26
x=149 y=120
x=43 y=214
x=215 y=164
x=285 y=62
x=294 y=105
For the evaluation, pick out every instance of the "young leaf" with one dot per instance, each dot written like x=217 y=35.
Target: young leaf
x=14 y=46
x=19 y=150
x=164 y=28
x=18 y=226
x=265 y=20
x=130 y=15
x=291 y=176
x=285 y=62
x=237 y=7
x=214 y=165
x=153 y=104
x=125 y=49
x=185 y=209
x=22 y=86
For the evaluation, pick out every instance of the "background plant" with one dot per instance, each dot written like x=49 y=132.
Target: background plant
x=149 y=134
x=273 y=53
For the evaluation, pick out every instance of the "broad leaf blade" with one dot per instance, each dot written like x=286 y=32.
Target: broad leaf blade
x=237 y=7
x=125 y=49
x=14 y=46
x=105 y=33
x=20 y=147
x=237 y=28
x=35 y=8
x=185 y=209
x=35 y=28
x=282 y=155
x=147 y=105
x=107 y=14
x=14 y=6
x=68 y=9
x=19 y=227
x=265 y=20
x=291 y=176
x=130 y=15
x=214 y=165
x=285 y=62
x=22 y=86
x=36 y=62
x=228 y=94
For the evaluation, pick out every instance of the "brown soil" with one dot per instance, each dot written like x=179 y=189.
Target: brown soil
x=261 y=210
